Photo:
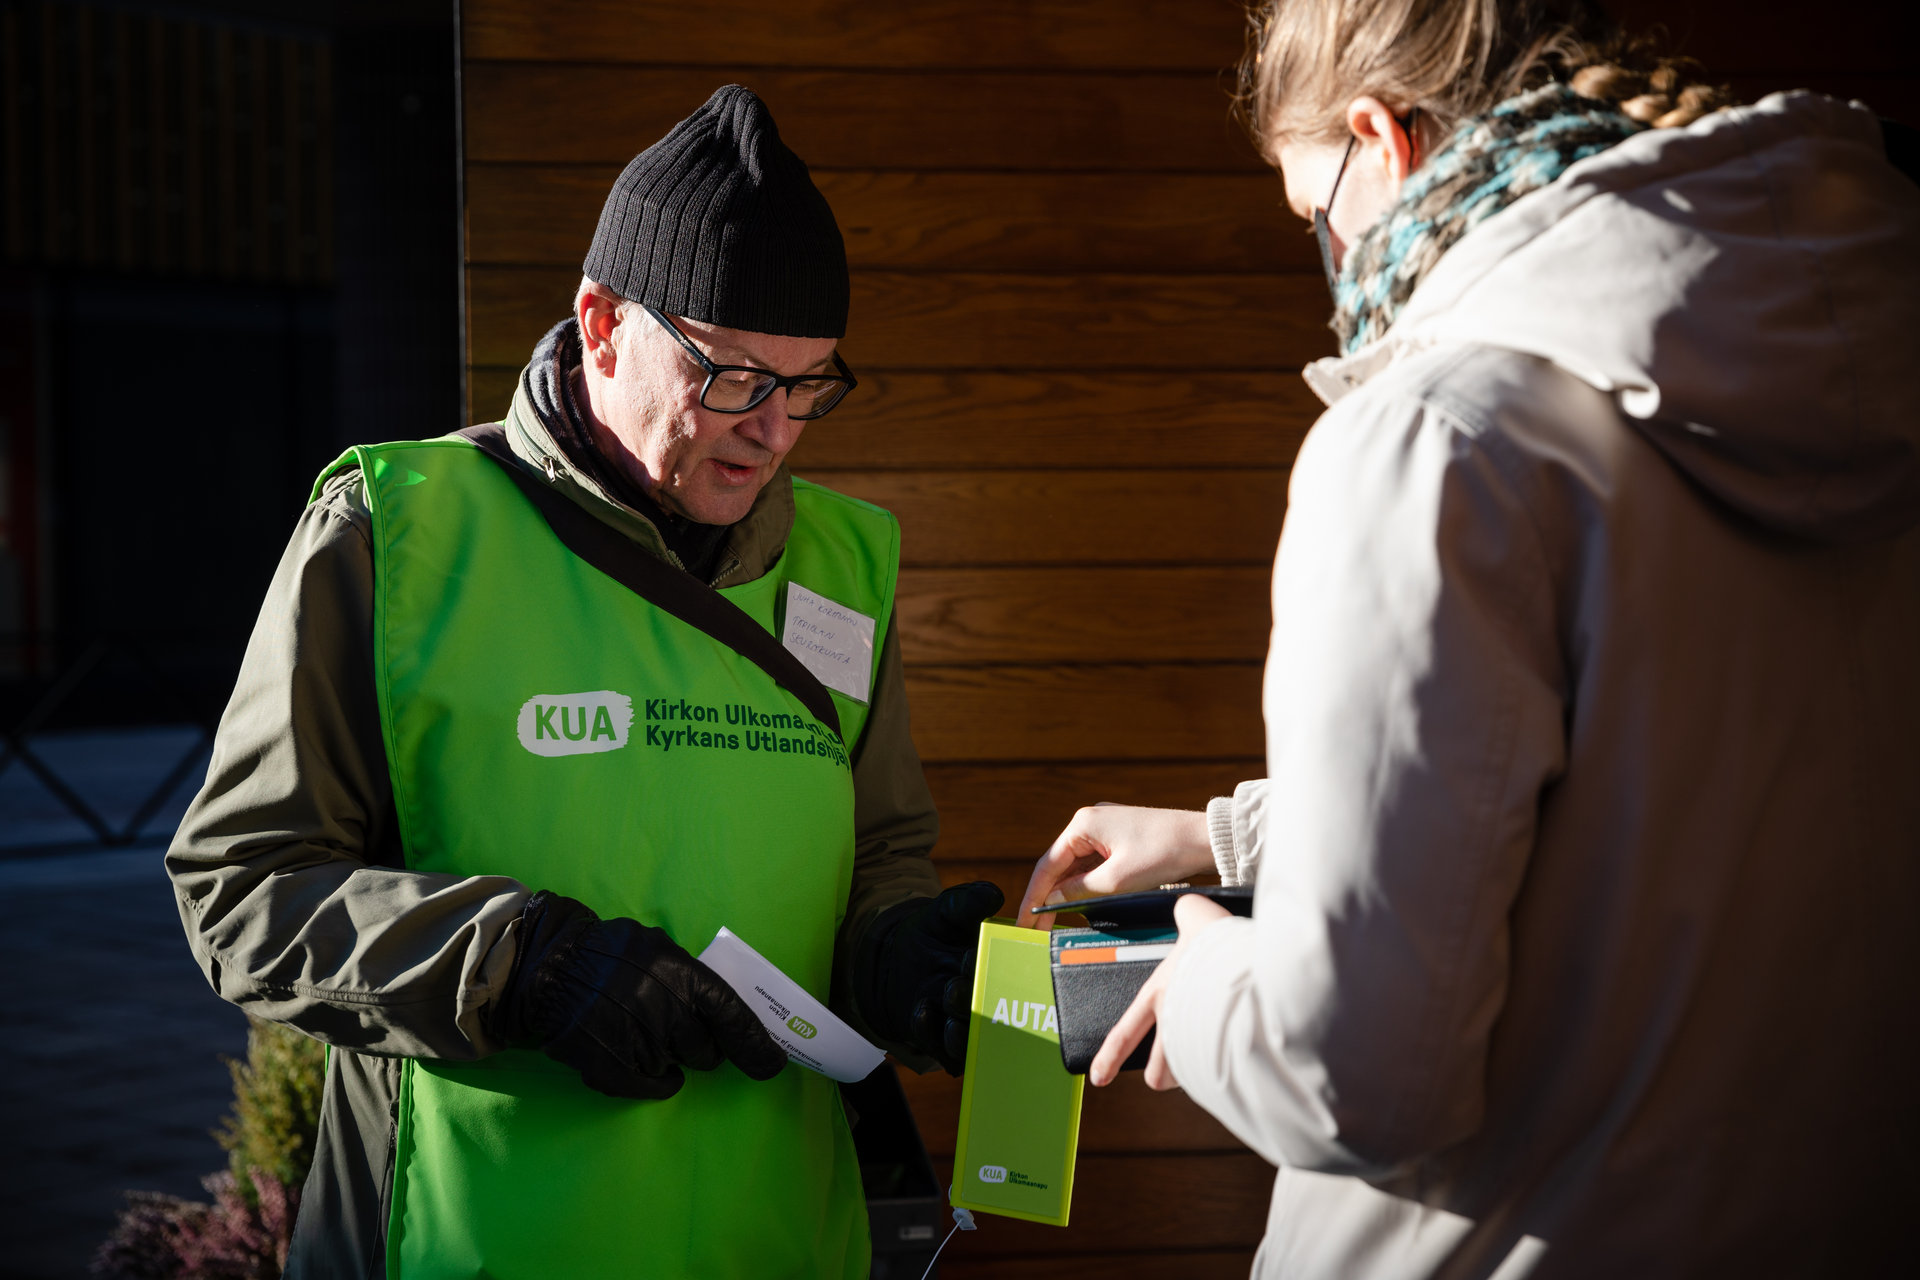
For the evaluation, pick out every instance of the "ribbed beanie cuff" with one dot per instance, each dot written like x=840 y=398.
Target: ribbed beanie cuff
x=719 y=221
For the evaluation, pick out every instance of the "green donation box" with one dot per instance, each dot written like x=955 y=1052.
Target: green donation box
x=1019 y=1108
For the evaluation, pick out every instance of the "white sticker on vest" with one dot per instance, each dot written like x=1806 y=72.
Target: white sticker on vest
x=831 y=640
x=575 y=724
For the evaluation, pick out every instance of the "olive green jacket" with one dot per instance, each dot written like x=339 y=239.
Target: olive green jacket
x=292 y=885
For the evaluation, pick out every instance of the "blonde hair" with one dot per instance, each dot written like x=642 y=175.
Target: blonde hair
x=1452 y=59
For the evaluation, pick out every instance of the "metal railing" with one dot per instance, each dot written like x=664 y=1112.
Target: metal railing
x=46 y=699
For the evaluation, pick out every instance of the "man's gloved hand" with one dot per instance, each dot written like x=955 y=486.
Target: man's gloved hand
x=916 y=985
x=624 y=1004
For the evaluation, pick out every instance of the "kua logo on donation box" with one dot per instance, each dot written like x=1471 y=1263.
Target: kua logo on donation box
x=575 y=724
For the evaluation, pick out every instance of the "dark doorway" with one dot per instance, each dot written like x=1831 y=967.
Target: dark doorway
x=229 y=247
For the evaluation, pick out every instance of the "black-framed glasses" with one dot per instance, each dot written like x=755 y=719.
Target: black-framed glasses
x=1322 y=227
x=739 y=388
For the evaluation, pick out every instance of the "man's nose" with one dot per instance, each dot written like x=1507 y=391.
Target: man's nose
x=769 y=425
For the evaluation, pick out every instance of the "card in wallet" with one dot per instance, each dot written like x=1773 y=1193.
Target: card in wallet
x=1097 y=971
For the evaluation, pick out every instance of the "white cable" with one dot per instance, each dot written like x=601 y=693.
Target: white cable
x=962 y=1221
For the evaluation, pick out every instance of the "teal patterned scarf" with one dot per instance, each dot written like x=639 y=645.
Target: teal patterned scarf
x=1490 y=161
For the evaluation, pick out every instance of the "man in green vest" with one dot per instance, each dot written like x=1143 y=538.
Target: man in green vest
x=531 y=713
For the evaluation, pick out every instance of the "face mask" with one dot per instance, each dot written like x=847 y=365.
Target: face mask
x=1324 y=233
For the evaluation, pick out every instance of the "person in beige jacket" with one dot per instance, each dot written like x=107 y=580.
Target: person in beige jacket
x=1586 y=927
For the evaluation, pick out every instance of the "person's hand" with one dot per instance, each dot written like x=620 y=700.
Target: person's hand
x=624 y=1004
x=1192 y=912
x=915 y=982
x=1117 y=848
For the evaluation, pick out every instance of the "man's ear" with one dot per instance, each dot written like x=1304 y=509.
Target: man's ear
x=599 y=315
x=1384 y=142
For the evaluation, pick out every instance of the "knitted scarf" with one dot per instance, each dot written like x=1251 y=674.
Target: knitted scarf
x=1490 y=161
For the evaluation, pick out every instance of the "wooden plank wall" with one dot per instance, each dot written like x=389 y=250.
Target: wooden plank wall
x=1078 y=311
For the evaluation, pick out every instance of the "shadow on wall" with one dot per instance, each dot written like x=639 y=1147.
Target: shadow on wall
x=231 y=247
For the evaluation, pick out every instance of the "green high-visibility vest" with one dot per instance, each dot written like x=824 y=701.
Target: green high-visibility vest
x=543 y=722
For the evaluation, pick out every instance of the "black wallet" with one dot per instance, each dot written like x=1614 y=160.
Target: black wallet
x=1098 y=970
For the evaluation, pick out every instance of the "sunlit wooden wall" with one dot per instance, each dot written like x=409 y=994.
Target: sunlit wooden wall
x=1077 y=308
x=1078 y=313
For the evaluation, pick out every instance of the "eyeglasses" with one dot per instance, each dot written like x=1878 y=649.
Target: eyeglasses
x=1322 y=229
x=738 y=388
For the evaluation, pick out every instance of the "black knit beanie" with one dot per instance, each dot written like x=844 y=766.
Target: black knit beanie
x=720 y=222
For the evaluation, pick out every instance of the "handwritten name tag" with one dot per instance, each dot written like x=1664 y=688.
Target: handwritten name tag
x=831 y=640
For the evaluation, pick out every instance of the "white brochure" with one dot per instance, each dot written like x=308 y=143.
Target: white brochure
x=801 y=1025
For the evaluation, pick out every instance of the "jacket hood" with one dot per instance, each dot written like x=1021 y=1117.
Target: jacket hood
x=1748 y=290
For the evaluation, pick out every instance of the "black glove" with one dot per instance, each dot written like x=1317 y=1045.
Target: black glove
x=624 y=1004
x=916 y=983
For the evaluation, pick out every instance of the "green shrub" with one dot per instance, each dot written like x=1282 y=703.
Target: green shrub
x=276 y=1107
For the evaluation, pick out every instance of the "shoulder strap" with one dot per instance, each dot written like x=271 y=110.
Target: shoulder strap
x=657 y=582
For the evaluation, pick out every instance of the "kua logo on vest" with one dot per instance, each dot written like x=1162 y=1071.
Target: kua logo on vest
x=575 y=724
